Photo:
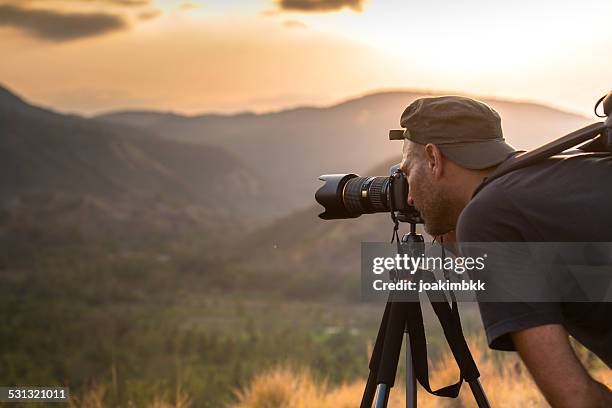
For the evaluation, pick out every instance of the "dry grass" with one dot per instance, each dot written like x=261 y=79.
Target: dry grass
x=503 y=376
x=94 y=398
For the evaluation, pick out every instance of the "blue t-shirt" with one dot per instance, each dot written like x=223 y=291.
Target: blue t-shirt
x=563 y=199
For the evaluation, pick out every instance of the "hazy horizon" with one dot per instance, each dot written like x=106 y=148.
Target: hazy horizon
x=282 y=108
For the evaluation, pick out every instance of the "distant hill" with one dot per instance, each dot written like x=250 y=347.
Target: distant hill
x=130 y=171
x=291 y=148
x=68 y=171
x=302 y=255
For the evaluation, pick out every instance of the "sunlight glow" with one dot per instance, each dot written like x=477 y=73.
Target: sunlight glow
x=248 y=55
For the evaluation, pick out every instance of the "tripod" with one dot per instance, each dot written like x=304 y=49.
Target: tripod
x=405 y=318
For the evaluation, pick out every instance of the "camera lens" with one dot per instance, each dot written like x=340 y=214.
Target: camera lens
x=349 y=196
x=366 y=195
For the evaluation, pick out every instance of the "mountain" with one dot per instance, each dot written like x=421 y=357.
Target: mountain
x=133 y=171
x=291 y=148
x=301 y=255
x=9 y=100
x=68 y=171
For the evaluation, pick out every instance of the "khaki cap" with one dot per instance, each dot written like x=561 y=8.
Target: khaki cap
x=468 y=132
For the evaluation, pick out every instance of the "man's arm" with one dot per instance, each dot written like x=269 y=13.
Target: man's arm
x=547 y=353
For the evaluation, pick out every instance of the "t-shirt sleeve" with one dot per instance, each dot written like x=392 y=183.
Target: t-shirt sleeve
x=493 y=217
x=502 y=319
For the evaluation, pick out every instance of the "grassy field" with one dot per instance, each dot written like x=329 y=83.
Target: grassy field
x=503 y=377
x=159 y=328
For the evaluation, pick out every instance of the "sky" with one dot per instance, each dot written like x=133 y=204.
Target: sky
x=93 y=56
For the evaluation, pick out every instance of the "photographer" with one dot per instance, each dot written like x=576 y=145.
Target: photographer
x=451 y=144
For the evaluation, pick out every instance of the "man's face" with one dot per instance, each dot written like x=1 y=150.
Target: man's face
x=426 y=191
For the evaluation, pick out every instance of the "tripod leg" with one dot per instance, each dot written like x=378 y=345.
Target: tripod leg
x=383 y=363
x=382 y=396
x=479 y=394
x=369 y=392
x=391 y=350
x=411 y=390
x=370 y=388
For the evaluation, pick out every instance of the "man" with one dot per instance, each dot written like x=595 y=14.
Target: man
x=451 y=144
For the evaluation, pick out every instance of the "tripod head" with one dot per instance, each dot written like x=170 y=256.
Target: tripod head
x=606 y=102
x=413 y=243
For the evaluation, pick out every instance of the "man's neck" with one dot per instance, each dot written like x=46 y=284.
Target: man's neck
x=467 y=184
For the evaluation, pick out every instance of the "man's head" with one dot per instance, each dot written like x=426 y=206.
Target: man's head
x=450 y=144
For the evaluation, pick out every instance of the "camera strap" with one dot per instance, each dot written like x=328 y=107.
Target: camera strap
x=451 y=325
x=600 y=134
x=450 y=320
x=524 y=159
x=392 y=210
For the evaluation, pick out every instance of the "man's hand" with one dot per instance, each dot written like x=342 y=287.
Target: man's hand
x=547 y=353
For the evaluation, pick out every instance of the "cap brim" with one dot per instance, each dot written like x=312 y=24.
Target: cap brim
x=477 y=155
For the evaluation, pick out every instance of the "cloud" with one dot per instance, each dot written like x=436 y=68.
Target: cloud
x=125 y=2
x=316 y=6
x=269 y=13
x=128 y=3
x=59 y=26
x=294 y=24
x=188 y=6
x=149 y=15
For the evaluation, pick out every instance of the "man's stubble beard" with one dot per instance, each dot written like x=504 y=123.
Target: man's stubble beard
x=436 y=209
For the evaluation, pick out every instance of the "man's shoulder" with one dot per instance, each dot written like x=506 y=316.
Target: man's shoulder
x=532 y=202
x=491 y=215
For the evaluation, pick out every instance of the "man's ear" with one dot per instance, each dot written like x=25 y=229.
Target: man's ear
x=404 y=162
x=435 y=160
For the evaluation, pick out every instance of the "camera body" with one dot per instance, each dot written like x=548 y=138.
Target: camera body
x=349 y=196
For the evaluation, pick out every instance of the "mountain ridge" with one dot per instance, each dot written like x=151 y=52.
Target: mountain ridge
x=291 y=148
x=343 y=101
x=263 y=166
x=69 y=172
